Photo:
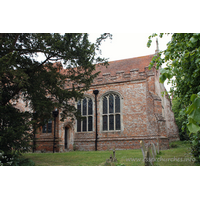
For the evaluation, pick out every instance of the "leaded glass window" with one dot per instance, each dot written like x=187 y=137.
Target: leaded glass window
x=105 y=105
x=85 y=107
x=111 y=112
x=47 y=128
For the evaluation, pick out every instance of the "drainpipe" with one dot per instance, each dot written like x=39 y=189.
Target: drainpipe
x=55 y=114
x=34 y=130
x=96 y=92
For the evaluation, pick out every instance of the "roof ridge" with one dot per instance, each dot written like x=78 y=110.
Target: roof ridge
x=131 y=58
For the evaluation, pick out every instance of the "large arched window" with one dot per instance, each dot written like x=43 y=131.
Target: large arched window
x=111 y=113
x=85 y=107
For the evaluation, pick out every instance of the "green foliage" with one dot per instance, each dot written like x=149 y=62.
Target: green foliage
x=39 y=83
x=173 y=145
x=195 y=146
x=5 y=160
x=180 y=118
x=193 y=112
x=182 y=58
x=20 y=161
x=15 y=129
x=14 y=159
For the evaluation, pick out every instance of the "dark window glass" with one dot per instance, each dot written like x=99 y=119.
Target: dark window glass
x=111 y=100
x=85 y=106
x=49 y=126
x=90 y=107
x=117 y=123
x=105 y=123
x=44 y=130
x=90 y=123
x=104 y=105
x=117 y=104
x=79 y=106
x=111 y=122
x=79 y=125
x=85 y=124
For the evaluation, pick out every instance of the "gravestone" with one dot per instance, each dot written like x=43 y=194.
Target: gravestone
x=146 y=159
x=150 y=155
x=152 y=152
x=157 y=146
x=154 y=149
x=142 y=148
x=112 y=158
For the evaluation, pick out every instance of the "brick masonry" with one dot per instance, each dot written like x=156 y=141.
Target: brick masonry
x=145 y=113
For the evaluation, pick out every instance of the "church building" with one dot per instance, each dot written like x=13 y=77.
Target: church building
x=124 y=105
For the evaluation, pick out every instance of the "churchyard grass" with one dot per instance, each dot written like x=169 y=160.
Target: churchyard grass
x=84 y=158
x=177 y=156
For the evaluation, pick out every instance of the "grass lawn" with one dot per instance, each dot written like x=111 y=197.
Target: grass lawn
x=178 y=156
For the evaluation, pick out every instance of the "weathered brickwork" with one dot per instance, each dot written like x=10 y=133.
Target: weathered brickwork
x=145 y=114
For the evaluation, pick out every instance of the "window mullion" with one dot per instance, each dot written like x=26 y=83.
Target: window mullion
x=108 y=116
x=81 y=114
x=114 y=110
x=87 y=115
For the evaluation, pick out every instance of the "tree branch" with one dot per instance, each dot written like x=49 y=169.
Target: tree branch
x=14 y=42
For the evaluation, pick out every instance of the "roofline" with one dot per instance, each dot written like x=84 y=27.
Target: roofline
x=131 y=58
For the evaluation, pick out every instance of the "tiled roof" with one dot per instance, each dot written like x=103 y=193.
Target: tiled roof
x=126 y=65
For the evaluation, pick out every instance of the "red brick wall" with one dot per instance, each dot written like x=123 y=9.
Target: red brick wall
x=141 y=111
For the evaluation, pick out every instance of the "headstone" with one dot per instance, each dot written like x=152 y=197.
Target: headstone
x=113 y=153
x=146 y=159
x=114 y=159
x=154 y=149
x=142 y=148
x=157 y=146
x=150 y=155
x=152 y=152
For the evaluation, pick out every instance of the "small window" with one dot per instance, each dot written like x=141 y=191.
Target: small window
x=47 y=128
x=111 y=115
x=85 y=107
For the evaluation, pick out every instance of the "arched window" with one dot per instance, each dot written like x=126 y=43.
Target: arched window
x=85 y=106
x=111 y=114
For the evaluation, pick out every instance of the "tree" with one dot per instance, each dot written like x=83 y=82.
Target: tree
x=181 y=118
x=40 y=83
x=182 y=58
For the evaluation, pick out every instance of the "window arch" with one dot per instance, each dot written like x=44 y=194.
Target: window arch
x=85 y=106
x=111 y=112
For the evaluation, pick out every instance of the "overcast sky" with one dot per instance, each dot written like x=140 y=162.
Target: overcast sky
x=129 y=45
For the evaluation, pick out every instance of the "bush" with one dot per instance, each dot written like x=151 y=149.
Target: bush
x=14 y=159
x=5 y=160
x=23 y=162
x=195 y=146
x=173 y=145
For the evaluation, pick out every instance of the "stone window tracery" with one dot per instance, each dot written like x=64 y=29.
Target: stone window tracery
x=85 y=106
x=111 y=112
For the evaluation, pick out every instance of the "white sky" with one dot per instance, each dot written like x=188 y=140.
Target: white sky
x=129 y=45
